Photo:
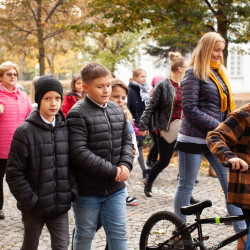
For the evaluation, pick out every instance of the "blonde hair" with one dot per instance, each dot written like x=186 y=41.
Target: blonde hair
x=32 y=91
x=137 y=72
x=128 y=114
x=119 y=83
x=202 y=54
x=7 y=66
x=177 y=60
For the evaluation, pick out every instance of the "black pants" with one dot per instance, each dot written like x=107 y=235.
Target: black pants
x=166 y=151
x=2 y=172
x=58 y=226
x=153 y=151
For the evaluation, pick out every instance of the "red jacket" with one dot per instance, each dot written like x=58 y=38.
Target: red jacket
x=17 y=107
x=68 y=102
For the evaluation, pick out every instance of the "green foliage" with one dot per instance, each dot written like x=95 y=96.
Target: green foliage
x=147 y=141
x=109 y=50
x=176 y=25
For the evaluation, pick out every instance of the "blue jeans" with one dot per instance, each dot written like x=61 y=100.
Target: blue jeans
x=189 y=165
x=112 y=212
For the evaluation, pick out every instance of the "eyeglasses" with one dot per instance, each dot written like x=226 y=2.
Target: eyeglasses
x=11 y=74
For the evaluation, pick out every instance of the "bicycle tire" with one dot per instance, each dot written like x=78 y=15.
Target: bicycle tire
x=154 y=236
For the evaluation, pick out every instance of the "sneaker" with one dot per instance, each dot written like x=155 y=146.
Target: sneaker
x=149 y=164
x=131 y=201
x=2 y=215
x=148 y=187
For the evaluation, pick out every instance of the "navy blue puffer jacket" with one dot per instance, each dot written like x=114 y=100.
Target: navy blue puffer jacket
x=201 y=105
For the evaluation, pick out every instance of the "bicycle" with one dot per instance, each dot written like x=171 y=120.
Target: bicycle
x=166 y=230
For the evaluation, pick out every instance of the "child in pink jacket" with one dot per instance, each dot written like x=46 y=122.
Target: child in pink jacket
x=14 y=108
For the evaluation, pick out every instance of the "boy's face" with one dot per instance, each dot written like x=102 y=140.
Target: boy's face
x=99 y=89
x=50 y=105
x=118 y=95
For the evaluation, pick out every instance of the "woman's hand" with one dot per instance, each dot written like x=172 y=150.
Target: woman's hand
x=1 y=109
x=237 y=163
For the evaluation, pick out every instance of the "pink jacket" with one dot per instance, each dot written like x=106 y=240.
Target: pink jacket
x=135 y=129
x=155 y=80
x=17 y=107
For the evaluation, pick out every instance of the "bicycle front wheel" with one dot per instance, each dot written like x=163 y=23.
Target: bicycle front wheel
x=161 y=227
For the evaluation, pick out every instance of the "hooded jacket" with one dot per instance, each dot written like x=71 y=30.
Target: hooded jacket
x=37 y=170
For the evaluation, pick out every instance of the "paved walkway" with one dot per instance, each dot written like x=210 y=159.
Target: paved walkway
x=11 y=229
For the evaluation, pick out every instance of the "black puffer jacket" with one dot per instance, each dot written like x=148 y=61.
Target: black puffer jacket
x=99 y=143
x=38 y=167
x=160 y=105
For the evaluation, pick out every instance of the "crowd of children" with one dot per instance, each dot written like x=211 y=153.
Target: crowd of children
x=82 y=154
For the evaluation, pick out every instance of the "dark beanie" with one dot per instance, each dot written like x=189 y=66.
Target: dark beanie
x=45 y=84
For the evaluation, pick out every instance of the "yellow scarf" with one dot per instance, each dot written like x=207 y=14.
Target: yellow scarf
x=223 y=97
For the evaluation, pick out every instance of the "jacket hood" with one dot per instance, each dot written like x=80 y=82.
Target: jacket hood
x=156 y=79
x=35 y=118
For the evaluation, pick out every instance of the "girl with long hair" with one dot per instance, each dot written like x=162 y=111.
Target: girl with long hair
x=74 y=95
x=206 y=101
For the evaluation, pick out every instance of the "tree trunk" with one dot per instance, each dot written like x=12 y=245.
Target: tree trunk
x=21 y=60
x=223 y=23
x=41 y=48
x=222 y=29
x=50 y=60
x=41 y=58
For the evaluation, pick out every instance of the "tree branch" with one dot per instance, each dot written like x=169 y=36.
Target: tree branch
x=53 y=10
x=210 y=7
x=32 y=11
x=54 y=33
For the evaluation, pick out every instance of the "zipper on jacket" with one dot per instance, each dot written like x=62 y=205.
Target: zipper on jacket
x=54 y=162
x=110 y=140
x=110 y=136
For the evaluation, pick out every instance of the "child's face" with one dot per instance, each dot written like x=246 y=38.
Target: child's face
x=78 y=86
x=99 y=89
x=50 y=105
x=141 y=78
x=118 y=95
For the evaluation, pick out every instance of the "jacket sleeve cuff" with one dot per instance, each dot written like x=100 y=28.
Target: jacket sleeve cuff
x=126 y=164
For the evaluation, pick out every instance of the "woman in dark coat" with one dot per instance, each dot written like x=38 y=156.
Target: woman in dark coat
x=206 y=101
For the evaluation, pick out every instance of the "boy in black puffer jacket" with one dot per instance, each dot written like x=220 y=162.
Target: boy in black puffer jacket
x=101 y=150
x=38 y=168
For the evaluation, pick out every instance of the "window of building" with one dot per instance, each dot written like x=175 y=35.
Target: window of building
x=236 y=64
